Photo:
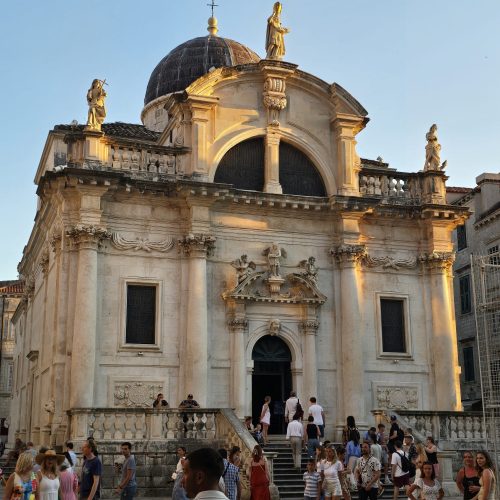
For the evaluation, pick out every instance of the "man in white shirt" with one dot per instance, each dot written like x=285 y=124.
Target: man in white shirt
x=319 y=415
x=295 y=433
x=202 y=471
x=291 y=406
x=400 y=478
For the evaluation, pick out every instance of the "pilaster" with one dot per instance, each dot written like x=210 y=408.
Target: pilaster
x=237 y=327
x=272 y=162
x=309 y=328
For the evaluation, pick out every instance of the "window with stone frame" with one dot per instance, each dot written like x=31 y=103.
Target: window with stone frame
x=494 y=256
x=468 y=355
x=141 y=314
x=465 y=294
x=392 y=317
x=461 y=237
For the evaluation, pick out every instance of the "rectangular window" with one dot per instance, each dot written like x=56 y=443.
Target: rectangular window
x=461 y=237
x=141 y=314
x=465 y=294
x=469 y=375
x=392 y=316
x=494 y=255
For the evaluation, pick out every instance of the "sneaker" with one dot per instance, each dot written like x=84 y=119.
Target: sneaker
x=387 y=481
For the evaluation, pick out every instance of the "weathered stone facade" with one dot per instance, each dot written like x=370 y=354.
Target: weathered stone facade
x=139 y=206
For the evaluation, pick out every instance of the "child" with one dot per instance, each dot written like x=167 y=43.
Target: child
x=258 y=434
x=312 y=479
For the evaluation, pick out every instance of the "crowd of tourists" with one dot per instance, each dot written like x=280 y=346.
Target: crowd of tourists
x=360 y=466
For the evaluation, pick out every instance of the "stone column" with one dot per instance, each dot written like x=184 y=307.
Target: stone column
x=195 y=363
x=310 y=384
x=83 y=359
x=272 y=163
x=348 y=259
x=444 y=338
x=238 y=328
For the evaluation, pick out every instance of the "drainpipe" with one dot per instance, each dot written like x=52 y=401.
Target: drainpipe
x=1 y=334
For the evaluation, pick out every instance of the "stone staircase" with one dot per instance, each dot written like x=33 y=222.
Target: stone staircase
x=291 y=483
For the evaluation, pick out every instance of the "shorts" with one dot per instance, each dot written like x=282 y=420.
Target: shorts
x=400 y=481
x=385 y=457
x=332 y=488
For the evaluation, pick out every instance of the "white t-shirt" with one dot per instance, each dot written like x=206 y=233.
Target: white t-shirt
x=396 y=460
x=290 y=407
x=376 y=450
x=331 y=470
x=315 y=410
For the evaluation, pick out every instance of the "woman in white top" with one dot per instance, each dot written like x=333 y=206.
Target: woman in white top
x=48 y=475
x=429 y=487
x=329 y=469
x=484 y=464
x=265 y=418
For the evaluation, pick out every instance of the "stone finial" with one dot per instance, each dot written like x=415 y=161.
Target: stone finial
x=275 y=39
x=96 y=96
x=432 y=150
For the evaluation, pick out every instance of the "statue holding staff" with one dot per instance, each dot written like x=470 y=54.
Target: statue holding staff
x=275 y=40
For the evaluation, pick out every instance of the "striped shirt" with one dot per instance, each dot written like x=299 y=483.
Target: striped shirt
x=312 y=480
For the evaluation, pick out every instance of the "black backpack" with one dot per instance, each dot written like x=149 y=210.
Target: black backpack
x=406 y=465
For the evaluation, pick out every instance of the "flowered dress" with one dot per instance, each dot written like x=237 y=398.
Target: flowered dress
x=24 y=490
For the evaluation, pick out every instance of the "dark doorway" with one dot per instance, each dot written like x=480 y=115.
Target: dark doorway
x=271 y=377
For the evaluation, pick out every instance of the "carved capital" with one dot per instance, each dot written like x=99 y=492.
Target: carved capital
x=87 y=236
x=237 y=324
x=439 y=261
x=197 y=245
x=55 y=242
x=309 y=326
x=44 y=262
x=274 y=98
x=348 y=254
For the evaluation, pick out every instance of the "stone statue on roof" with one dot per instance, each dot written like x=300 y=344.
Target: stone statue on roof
x=97 y=111
x=243 y=267
x=275 y=39
x=432 y=150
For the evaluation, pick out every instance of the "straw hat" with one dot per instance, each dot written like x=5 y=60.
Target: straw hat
x=48 y=454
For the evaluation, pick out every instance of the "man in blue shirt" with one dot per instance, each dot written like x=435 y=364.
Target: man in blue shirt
x=231 y=476
x=90 y=484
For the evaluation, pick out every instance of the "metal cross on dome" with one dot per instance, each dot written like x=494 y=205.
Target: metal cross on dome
x=212 y=5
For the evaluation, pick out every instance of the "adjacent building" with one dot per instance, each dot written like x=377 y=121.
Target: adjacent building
x=11 y=293
x=479 y=235
x=233 y=245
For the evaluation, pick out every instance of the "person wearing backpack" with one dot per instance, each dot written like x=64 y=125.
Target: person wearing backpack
x=400 y=468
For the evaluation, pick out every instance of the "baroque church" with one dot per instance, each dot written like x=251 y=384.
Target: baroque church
x=233 y=246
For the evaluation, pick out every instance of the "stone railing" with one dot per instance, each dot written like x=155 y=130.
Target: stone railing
x=453 y=432
x=149 y=159
x=115 y=424
x=398 y=187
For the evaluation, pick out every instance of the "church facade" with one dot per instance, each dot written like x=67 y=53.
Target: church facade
x=233 y=246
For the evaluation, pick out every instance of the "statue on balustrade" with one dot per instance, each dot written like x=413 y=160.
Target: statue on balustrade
x=95 y=99
x=432 y=150
x=275 y=39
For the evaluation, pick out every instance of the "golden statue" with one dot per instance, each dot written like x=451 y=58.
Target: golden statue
x=95 y=99
x=275 y=40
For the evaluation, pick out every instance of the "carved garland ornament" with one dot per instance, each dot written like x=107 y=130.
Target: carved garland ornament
x=122 y=243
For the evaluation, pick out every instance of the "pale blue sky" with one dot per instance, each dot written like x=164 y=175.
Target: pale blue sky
x=410 y=63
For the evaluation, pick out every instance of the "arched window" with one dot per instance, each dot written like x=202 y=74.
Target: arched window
x=298 y=175
x=243 y=166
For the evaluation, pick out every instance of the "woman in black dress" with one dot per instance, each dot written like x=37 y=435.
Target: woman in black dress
x=467 y=477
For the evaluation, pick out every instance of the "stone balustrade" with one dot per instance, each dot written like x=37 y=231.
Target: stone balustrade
x=398 y=187
x=149 y=159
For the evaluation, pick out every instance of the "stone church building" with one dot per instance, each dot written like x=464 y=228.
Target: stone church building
x=233 y=245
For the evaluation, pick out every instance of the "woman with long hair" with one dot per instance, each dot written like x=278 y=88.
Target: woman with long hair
x=468 y=477
x=431 y=450
x=265 y=418
x=484 y=466
x=349 y=429
x=329 y=468
x=68 y=481
x=258 y=474
x=428 y=486
x=48 y=475
x=353 y=450
x=22 y=482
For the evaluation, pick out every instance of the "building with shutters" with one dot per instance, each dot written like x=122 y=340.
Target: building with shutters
x=233 y=245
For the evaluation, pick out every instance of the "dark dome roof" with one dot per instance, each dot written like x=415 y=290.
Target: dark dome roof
x=192 y=59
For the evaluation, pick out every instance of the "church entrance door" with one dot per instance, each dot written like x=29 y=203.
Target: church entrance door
x=271 y=377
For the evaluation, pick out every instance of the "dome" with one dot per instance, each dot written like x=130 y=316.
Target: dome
x=192 y=59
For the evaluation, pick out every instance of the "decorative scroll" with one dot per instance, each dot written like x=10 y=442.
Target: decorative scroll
x=122 y=243
x=387 y=262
